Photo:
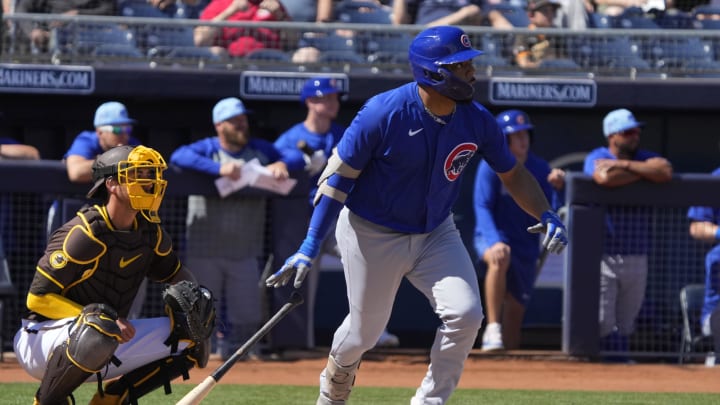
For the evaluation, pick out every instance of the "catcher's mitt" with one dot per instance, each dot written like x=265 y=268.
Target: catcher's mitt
x=191 y=310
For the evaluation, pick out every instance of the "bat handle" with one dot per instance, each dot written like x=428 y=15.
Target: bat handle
x=198 y=393
x=304 y=147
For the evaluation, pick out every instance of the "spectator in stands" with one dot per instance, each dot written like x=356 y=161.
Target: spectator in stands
x=316 y=137
x=454 y=12
x=573 y=14
x=705 y=227
x=623 y=273
x=12 y=149
x=225 y=236
x=509 y=251
x=437 y=12
x=531 y=50
x=616 y=7
x=39 y=33
x=240 y=41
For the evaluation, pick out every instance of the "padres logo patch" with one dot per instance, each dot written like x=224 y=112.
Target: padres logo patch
x=458 y=159
x=58 y=260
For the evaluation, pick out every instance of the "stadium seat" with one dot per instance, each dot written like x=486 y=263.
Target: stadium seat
x=268 y=55
x=634 y=18
x=133 y=8
x=692 y=339
x=382 y=48
x=613 y=53
x=80 y=40
x=515 y=15
x=599 y=20
x=680 y=53
x=142 y=8
x=675 y=20
x=329 y=42
x=342 y=57
x=362 y=12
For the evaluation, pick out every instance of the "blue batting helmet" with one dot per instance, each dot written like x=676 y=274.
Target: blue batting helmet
x=318 y=87
x=514 y=120
x=438 y=46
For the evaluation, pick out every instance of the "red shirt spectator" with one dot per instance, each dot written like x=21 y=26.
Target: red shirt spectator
x=240 y=41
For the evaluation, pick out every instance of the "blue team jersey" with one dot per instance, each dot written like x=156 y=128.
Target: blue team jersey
x=410 y=164
x=87 y=145
x=287 y=142
x=499 y=218
x=204 y=155
x=627 y=227
x=712 y=270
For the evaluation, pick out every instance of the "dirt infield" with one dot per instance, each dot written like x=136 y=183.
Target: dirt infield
x=406 y=369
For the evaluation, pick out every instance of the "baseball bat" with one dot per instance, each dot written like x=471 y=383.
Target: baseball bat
x=198 y=393
x=304 y=147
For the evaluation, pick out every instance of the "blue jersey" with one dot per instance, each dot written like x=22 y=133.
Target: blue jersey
x=287 y=142
x=205 y=155
x=87 y=145
x=410 y=164
x=627 y=227
x=499 y=218
x=712 y=269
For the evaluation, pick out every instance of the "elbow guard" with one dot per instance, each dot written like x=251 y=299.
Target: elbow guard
x=336 y=180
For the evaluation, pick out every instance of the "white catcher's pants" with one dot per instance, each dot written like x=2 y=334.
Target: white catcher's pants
x=32 y=349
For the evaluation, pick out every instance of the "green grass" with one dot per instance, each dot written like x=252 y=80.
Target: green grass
x=21 y=394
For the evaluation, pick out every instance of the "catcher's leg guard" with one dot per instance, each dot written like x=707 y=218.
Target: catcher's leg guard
x=89 y=348
x=133 y=385
x=336 y=382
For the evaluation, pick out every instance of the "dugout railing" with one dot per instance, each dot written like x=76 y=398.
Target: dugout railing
x=674 y=259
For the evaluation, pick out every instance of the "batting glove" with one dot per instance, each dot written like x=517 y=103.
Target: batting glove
x=555 y=233
x=298 y=264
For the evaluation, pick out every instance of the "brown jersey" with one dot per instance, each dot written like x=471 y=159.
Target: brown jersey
x=88 y=261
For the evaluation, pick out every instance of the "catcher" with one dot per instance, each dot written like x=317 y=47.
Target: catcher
x=76 y=329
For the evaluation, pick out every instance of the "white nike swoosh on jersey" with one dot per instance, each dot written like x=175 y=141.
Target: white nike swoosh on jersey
x=413 y=133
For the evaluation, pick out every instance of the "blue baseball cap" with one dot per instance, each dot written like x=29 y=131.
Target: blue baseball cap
x=112 y=113
x=620 y=120
x=228 y=108
x=318 y=87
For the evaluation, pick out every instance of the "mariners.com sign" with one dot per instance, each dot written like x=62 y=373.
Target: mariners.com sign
x=543 y=92
x=47 y=79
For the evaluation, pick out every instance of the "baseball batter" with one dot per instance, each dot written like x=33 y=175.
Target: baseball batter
x=393 y=180
x=76 y=325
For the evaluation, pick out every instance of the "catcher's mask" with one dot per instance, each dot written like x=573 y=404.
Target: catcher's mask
x=137 y=168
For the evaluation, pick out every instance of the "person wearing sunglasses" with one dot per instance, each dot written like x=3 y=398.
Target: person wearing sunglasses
x=113 y=127
x=624 y=263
